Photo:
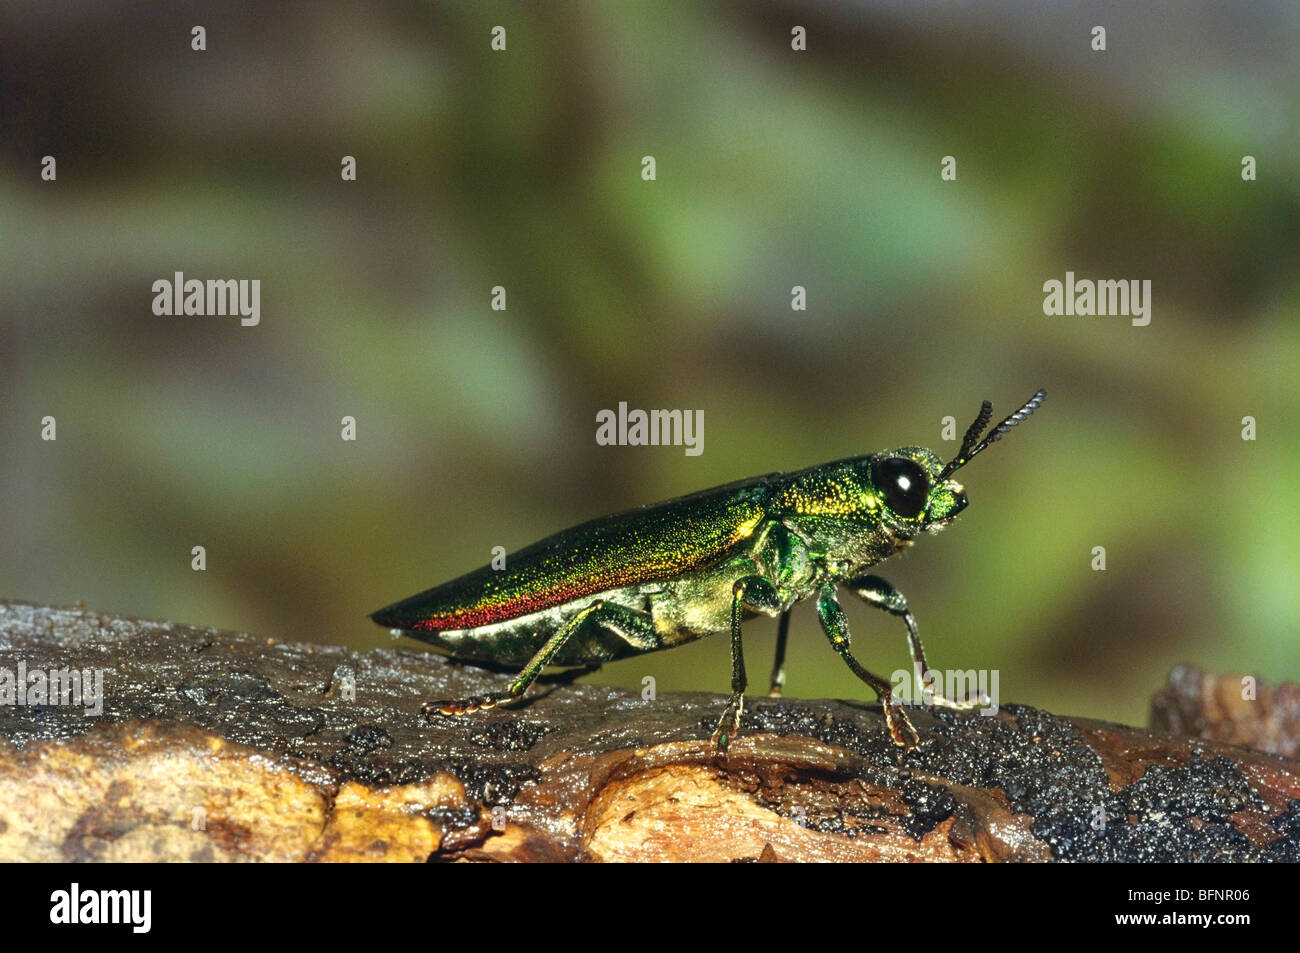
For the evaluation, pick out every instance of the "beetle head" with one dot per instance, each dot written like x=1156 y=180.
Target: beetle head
x=915 y=496
x=915 y=485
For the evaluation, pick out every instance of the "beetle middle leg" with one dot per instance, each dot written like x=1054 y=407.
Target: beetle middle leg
x=836 y=626
x=749 y=592
x=617 y=617
x=880 y=593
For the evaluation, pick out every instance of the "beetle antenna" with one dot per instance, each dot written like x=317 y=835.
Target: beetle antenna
x=974 y=431
x=972 y=445
x=968 y=442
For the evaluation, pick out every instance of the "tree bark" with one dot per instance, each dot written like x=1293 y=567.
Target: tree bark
x=217 y=745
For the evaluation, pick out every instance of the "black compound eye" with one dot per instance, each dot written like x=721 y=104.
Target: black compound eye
x=904 y=483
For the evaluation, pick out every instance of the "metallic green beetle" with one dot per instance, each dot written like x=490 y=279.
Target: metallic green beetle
x=661 y=575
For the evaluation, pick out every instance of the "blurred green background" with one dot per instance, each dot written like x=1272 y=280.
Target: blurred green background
x=775 y=168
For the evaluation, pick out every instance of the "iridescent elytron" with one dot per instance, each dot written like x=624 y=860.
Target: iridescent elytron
x=671 y=572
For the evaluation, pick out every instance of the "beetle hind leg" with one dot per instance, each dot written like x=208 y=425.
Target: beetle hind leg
x=525 y=678
x=632 y=626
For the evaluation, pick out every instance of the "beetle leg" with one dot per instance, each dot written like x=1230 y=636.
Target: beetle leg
x=749 y=592
x=881 y=594
x=836 y=626
x=525 y=677
x=778 y=666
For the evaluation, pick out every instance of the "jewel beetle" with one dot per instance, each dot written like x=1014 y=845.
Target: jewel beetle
x=658 y=576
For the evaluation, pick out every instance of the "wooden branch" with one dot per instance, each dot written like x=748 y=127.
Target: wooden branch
x=217 y=745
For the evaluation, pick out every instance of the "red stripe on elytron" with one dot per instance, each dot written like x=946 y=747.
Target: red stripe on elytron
x=503 y=612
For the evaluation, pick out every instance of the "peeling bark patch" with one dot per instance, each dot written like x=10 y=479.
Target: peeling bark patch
x=818 y=800
x=679 y=813
x=404 y=823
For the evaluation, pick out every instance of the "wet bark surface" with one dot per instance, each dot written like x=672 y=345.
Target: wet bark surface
x=216 y=745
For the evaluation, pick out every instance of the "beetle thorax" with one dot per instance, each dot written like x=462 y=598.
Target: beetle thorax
x=840 y=517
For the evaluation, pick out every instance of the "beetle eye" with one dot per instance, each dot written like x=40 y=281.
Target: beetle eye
x=904 y=483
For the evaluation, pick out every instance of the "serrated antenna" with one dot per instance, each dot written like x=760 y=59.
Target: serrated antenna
x=971 y=445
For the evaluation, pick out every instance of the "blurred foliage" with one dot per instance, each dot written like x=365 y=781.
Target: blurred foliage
x=775 y=169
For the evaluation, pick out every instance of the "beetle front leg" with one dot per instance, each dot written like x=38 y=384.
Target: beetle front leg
x=750 y=592
x=836 y=627
x=880 y=593
x=525 y=677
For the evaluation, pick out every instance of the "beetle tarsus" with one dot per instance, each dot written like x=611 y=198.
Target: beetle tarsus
x=980 y=700
x=900 y=726
x=464 y=706
x=728 y=724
